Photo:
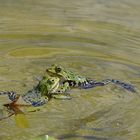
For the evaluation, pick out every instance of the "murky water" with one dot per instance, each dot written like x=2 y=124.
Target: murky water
x=96 y=38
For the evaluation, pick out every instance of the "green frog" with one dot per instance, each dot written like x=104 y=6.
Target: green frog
x=37 y=96
x=70 y=79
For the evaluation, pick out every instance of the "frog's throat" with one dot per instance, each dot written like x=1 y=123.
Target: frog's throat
x=54 y=88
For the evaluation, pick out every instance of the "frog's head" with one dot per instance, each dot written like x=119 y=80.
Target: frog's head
x=48 y=85
x=56 y=70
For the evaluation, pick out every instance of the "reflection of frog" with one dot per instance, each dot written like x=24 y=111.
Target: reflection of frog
x=70 y=79
x=39 y=95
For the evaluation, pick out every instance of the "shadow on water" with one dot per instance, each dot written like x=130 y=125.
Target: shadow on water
x=80 y=124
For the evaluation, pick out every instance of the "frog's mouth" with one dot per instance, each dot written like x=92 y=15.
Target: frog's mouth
x=52 y=73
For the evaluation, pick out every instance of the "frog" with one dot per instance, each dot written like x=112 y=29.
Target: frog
x=70 y=80
x=38 y=95
x=52 y=85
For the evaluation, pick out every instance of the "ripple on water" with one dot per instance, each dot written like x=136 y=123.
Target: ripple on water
x=98 y=39
x=37 y=52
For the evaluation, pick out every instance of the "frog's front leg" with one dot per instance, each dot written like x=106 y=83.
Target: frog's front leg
x=62 y=92
x=43 y=100
x=64 y=88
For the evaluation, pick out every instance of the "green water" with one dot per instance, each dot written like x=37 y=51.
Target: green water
x=96 y=38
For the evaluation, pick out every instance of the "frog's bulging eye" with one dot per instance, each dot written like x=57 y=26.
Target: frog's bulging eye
x=52 y=80
x=58 y=69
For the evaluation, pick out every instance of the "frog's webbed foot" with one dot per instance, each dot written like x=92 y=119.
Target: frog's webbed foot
x=126 y=86
x=11 y=94
x=92 y=84
x=43 y=100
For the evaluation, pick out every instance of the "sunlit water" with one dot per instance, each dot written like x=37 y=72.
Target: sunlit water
x=96 y=38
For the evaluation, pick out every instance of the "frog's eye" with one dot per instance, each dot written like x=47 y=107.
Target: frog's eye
x=58 y=69
x=49 y=81
x=52 y=80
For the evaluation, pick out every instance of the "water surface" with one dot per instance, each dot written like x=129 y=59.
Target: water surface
x=98 y=39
